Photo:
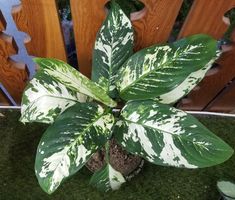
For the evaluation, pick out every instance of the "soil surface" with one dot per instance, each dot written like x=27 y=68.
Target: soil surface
x=121 y=160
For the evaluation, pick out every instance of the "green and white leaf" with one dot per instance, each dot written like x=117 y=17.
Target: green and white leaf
x=107 y=179
x=227 y=188
x=68 y=143
x=186 y=86
x=74 y=80
x=164 y=135
x=113 y=46
x=45 y=98
x=159 y=69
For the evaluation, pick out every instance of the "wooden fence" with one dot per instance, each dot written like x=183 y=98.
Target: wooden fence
x=39 y=19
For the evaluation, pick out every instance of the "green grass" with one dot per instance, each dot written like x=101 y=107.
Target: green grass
x=17 y=180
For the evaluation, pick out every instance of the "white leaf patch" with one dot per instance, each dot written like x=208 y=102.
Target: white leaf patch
x=46 y=100
x=58 y=164
x=82 y=154
x=115 y=178
x=107 y=179
x=138 y=133
x=171 y=155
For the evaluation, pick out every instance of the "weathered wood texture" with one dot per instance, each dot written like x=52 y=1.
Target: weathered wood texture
x=156 y=19
x=39 y=19
x=87 y=19
x=12 y=78
x=3 y=100
x=225 y=101
x=206 y=16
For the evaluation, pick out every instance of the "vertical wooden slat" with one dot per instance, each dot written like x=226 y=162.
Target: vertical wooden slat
x=155 y=26
x=13 y=79
x=87 y=19
x=224 y=102
x=40 y=20
x=206 y=16
x=157 y=23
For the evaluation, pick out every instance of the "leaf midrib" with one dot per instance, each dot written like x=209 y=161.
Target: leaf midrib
x=75 y=141
x=155 y=69
x=78 y=76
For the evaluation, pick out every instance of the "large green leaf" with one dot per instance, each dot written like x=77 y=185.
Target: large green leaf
x=166 y=136
x=45 y=98
x=157 y=70
x=73 y=79
x=107 y=179
x=113 y=46
x=186 y=86
x=68 y=143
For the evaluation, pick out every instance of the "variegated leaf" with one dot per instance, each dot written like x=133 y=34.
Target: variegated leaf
x=186 y=86
x=71 y=78
x=113 y=46
x=107 y=179
x=166 y=136
x=45 y=98
x=157 y=70
x=227 y=189
x=68 y=143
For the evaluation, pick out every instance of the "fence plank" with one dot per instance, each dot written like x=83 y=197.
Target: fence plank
x=157 y=23
x=206 y=16
x=39 y=18
x=87 y=19
x=12 y=78
x=225 y=102
x=154 y=26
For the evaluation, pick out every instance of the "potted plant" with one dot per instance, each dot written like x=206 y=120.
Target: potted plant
x=129 y=100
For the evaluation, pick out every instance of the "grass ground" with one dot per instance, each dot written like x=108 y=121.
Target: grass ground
x=18 y=145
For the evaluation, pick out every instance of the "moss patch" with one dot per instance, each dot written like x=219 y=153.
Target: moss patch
x=18 y=146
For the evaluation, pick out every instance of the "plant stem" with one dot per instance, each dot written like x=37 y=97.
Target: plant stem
x=107 y=146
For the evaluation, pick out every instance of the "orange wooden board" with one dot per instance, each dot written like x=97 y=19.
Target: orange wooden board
x=13 y=79
x=224 y=102
x=157 y=23
x=40 y=20
x=206 y=16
